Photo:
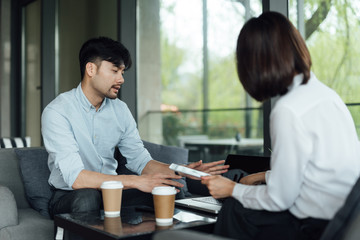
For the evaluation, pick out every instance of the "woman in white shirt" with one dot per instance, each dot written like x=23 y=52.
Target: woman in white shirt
x=315 y=157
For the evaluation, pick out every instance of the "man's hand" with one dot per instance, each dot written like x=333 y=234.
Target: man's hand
x=213 y=168
x=160 y=175
x=219 y=186
x=146 y=182
x=253 y=179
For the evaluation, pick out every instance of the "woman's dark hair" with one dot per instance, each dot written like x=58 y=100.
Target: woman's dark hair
x=270 y=51
x=99 y=49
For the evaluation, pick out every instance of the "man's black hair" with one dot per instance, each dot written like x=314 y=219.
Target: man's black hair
x=99 y=49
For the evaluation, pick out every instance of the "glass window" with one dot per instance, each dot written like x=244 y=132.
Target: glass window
x=196 y=96
x=331 y=32
x=31 y=68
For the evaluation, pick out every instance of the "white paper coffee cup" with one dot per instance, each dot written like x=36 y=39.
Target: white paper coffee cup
x=112 y=195
x=164 y=204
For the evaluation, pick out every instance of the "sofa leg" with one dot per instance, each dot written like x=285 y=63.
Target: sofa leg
x=59 y=233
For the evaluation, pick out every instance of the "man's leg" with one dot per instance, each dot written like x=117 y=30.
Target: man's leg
x=86 y=200
x=81 y=200
x=134 y=197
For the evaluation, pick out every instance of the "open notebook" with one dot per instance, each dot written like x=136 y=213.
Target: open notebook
x=249 y=164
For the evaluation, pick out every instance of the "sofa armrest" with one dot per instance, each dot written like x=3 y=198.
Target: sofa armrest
x=8 y=209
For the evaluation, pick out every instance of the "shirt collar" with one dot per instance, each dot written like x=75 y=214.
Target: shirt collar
x=297 y=80
x=103 y=104
x=85 y=103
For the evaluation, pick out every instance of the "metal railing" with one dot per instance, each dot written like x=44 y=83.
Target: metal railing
x=220 y=123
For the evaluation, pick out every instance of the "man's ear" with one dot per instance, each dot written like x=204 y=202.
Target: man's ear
x=91 y=69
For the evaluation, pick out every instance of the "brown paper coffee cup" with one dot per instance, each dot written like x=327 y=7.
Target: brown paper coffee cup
x=164 y=204
x=112 y=195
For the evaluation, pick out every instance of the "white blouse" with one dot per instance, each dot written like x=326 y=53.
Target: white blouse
x=315 y=154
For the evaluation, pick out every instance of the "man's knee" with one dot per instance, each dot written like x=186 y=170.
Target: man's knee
x=134 y=197
x=86 y=200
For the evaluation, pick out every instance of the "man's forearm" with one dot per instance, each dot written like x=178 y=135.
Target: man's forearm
x=90 y=179
x=154 y=174
x=154 y=166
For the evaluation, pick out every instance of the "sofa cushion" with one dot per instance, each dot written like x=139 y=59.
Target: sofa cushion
x=170 y=154
x=10 y=176
x=7 y=208
x=35 y=174
x=32 y=226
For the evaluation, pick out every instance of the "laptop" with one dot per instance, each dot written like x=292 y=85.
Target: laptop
x=249 y=164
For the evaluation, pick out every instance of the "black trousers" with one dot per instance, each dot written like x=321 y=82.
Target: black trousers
x=237 y=222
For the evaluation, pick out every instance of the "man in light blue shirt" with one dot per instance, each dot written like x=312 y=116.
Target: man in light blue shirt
x=81 y=129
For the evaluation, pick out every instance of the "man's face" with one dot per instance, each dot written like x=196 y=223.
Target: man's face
x=108 y=79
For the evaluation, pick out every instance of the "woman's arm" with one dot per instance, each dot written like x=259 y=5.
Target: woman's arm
x=254 y=179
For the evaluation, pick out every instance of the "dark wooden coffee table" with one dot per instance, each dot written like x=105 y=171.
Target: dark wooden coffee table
x=134 y=223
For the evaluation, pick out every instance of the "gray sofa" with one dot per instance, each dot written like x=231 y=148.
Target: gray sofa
x=25 y=193
x=18 y=220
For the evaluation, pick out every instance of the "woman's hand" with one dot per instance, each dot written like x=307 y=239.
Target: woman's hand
x=213 y=168
x=219 y=187
x=253 y=179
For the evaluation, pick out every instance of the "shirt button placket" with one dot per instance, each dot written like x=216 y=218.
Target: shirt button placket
x=95 y=139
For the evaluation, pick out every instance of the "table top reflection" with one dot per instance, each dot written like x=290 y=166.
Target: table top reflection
x=133 y=223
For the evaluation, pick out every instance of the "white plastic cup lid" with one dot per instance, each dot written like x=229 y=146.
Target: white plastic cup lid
x=163 y=191
x=112 y=184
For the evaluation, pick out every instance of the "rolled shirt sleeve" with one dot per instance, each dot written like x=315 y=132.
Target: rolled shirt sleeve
x=64 y=160
x=131 y=145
